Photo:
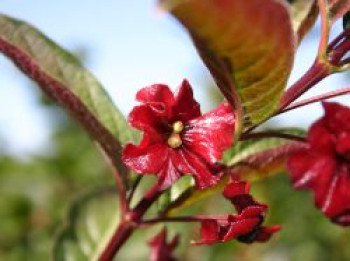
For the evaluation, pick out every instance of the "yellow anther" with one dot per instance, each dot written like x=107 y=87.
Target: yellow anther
x=178 y=127
x=174 y=141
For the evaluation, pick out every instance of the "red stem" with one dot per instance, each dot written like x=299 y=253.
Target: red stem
x=271 y=134
x=198 y=218
x=131 y=220
x=120 y=236
x=316 y=73
x=317 y=98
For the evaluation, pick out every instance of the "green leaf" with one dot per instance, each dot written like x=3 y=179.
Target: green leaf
x=57 y=64
x=248 y=46
x=253 y=160
x=90 y=223
x=47 y=63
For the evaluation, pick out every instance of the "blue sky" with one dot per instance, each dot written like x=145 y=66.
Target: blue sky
x=131 y=44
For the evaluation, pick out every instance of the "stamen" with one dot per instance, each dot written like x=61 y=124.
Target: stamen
x=174 y=141
x=178 y=127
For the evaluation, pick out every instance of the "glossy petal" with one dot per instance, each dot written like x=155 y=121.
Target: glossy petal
x=209 y=232
x=185 y=106
x=188 y=163
x=210 y=134
x=159 y=97
x=160 y=249
x=144 y=118
x=238 y=193
x=246 y=226
x=168 y=174
x=337 y=203
x=324 y=166
x=241 y=227
x=337 y=117
x=265 y=233
x=319 y=137
x=145 y=158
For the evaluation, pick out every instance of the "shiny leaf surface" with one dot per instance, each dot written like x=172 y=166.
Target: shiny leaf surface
x=247 y=46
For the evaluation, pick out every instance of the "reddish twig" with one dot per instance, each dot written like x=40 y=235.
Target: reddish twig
x=317 y=98
x=271 y=134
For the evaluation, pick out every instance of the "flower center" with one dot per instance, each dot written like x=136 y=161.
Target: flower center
x=174 y=141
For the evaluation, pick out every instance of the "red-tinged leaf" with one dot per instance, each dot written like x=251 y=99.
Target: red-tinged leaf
x=63 y=78
x=248 y=47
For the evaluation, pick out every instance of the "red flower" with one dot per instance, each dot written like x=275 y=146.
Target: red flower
x=246 y=226
x=177 y=139
x=324 y=165
x=160 y=249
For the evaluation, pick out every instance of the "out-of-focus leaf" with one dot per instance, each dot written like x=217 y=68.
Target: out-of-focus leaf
x=181 y=188
x=253 y=160
x=66 y=69
x=63 y=78
x=247 y=45
x=91 y=221
x=304 y=14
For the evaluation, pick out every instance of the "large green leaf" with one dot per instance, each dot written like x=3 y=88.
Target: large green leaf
x=248 y=45
x=253 y=159
x=90 y=223
x=57 y=64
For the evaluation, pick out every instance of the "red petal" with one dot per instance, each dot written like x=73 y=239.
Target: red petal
x=238 y=193
x=318 y=171
x=189 y=163
x=343 y=145
x=210 y=134
x=337 y=117
x=168 y=174
x=160 y=249
x=241 y=227
x=236 y=188
x=252 y=211
x=144 y=118
x=145 y=158
x=159 y=97
x=185 y=106
x=307 y=168
x=209 y=233
x=336 y=205
x=320 y=137
x=266 y=233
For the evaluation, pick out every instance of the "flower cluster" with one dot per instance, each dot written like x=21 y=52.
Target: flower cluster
x=177 y=138
x=324 y=166
x=245 y=226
